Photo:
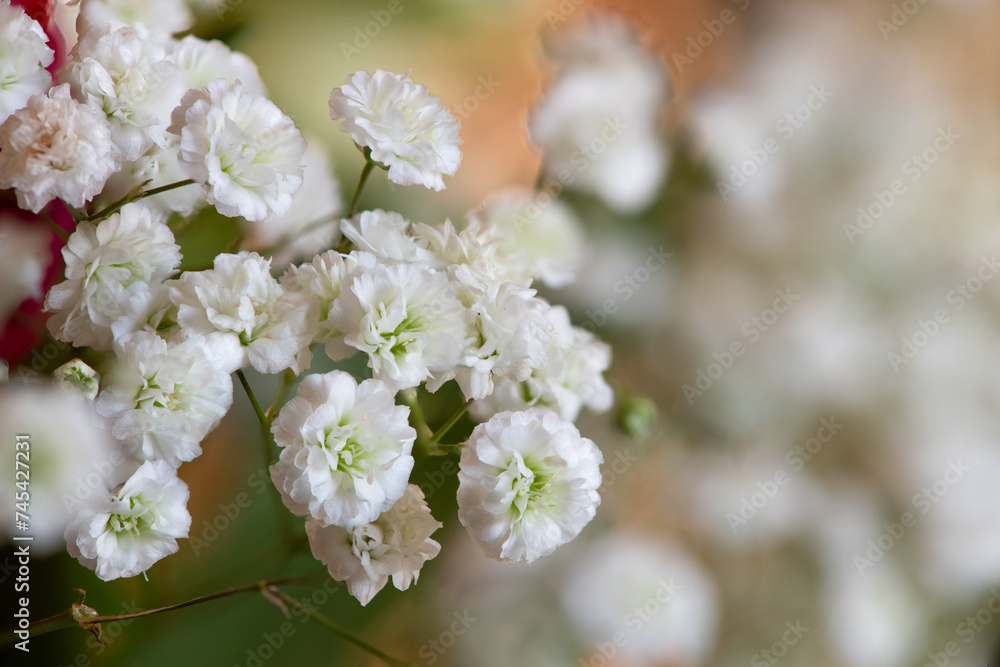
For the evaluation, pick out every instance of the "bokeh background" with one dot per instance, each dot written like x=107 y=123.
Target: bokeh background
x=761 y=521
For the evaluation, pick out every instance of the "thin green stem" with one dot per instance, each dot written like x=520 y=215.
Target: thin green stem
x=336 y=629
x=253 y=399
x=441 y=432
x=59 y=231
x=73 y=616
x=133 y=197
x=265 y=429
x=409 y=397
x=365 y=173
x=280 y=397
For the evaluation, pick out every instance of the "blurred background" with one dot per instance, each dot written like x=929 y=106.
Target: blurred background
x=822 y=486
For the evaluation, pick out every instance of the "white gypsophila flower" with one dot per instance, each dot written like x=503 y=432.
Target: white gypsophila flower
x=315 y=286
x=242 y=147
x=154 y=18
x=201 y=62
x=147 y=310
x=239 y=301
x=385 y=234
x=447 y=246
x=69 y=456
x=56 y=147
x=156 y=167
x=76 y=376
x=312 y=223
x=132 y=80
x=164 y=399
x=509 y=331
x=345 y=454
x=395 y=545
x=572 y=377
x=123 y=533
x=24 y=55
x=107 y=265
x=527 y=483
x=528 y=236
x=406 y=128
x=24 y=256
x=408 y=321
x=599 y=121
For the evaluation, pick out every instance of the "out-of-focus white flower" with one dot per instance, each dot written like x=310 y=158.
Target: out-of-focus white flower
x=24 y=55
x=311 y=225
x=156 y=167
x=529 y=236
x=315 y=286
x=385 y=234
x=120 y=534
x=407 y=129
x=509 y=331
x=155 y=18
x=571 y=378
x=202 y=62
x=76 y=376
x=408 y=321
x=626 y=571
x=24 y=256
x=239 y=300
x=70 y=456
x=106 y=265
x=527 y=483
x=873 y=621
x=396 y=545
x=242 y=146
x=56 y=147
x=164 y=400
x=600 y=119
x=130 y=79
x=346 y=447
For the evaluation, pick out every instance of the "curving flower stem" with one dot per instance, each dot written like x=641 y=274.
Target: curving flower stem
x=265 y=429
x=409 y=397
x=441 y=432
x=88 y=619
x=135 y=196
x=336 y=629
x=365 y=173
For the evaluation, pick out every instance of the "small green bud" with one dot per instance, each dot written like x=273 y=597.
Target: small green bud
x=637 y=416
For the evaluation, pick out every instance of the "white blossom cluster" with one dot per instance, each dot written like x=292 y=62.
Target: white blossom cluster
x=136 y=133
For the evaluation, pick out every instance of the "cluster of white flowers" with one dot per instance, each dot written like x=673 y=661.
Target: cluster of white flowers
x=142 y=130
